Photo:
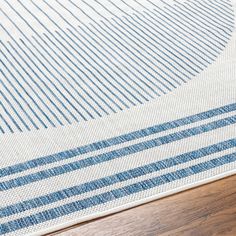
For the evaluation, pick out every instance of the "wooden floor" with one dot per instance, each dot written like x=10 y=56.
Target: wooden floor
x=209 y=210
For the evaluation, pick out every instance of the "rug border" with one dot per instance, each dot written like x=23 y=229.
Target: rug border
x=133 y=204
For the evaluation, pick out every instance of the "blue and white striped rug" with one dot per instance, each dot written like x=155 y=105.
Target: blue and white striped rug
x=108 y=104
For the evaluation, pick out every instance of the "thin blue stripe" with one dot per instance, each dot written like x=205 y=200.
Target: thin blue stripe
x=221 y=31
x=89 y=77
x=216 y=12
x=32 y=89
x=62 y=102
x=6 y=123
x=200 y=14
x=13 y=108
x=45 y=76
x=195 y=49
x=205 y=10
x=146 y=61
x=1 y=129
x=218 y=8
x=36 y=74
x=129 y=63
x=113 y=195
x=36 y=84
x=116 y=140
x=122 y=152
x=10 y=116
x=174 y=21
x=208 y=18
x=180 y=49
x=137 y=41
x=112 y=50
x=67 y=81
x=210 y=47
x=115 y=87
x=142 y=35
x=113 y=64
x=226 y=8
x=44 y=50
x=101 y=65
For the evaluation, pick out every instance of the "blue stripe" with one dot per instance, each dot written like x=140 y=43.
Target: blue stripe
x=119 y=177
x=94 y=160
x=1 y=129
x=143 y=34
x=8 y=113
x=205 y=11
x=113 y=195
x=6 y=123
x=116 y=140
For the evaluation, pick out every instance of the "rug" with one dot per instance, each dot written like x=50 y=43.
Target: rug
x=109 y=104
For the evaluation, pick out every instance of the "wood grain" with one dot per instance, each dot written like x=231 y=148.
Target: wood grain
x=206 y=210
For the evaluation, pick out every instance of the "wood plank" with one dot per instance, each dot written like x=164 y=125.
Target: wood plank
x=206 y=210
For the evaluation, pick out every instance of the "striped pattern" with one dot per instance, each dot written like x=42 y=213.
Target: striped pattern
x=115 y=55
x=68 y=61
x=109 y=185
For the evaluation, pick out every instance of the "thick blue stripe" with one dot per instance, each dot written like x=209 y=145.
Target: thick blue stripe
x=103 y=198
x=119 y=177
x=116 y=140
x=94 y=160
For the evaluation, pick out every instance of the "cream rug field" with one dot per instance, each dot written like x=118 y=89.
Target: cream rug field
x=108 y=104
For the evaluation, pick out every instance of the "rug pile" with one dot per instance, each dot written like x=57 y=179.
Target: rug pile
x=108 y=104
